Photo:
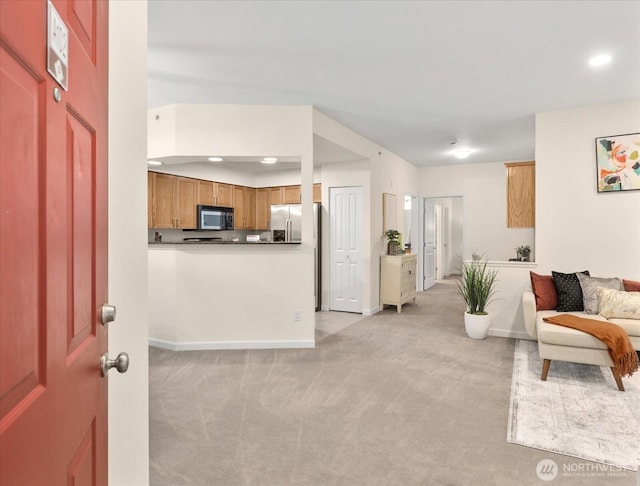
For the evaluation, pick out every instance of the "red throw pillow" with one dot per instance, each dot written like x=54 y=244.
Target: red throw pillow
x=545 y=291
x=631 y=286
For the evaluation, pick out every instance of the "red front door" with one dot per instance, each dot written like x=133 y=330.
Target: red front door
x=53 y=247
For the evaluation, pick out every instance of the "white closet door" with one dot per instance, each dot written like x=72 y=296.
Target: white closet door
x=345 y=235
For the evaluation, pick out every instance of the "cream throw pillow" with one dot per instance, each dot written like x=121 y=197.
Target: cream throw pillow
x=618 y=304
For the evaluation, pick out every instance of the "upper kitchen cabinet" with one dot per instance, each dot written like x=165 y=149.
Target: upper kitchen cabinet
x=521 y=194
x=205 y=193
x=186 y=194
x=276 y=195
x=263 y=208
x=215 y=193
x=317 y=193
x=291 y=194
x=172 y=201
x=244 y=204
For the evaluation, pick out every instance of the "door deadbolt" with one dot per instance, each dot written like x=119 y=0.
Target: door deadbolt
x=108 y=313
x=121 y=363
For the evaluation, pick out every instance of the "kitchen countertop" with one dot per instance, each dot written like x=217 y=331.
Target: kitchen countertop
x=223 y=242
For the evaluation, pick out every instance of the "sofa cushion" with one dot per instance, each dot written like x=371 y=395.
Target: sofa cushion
x=589 y=286
x=620 y=304
x=631 y=285
x=565 y=336
x=569 y=291
x=632 y=326
x=544 y=291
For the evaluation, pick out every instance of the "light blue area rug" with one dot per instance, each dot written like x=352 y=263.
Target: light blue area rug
x=577 y=412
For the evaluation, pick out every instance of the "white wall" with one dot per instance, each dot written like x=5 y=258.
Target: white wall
x=210 y=172
x=387 y=173
x=228 y=297
x=577 y=228
x=128 y=393
x=240 y=130
x=344 y=175
x=484 y=189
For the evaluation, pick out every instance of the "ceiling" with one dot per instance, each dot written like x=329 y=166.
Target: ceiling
x=411 y=76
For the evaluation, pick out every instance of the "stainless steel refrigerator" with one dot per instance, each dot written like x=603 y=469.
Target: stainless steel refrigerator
x=286 y=225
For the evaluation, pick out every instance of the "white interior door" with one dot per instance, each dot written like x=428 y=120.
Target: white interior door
x=429 y=243
x=345 y=236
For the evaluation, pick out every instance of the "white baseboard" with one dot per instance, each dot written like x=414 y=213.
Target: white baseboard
x=370 y=312
x=324 y=308
x=219 y=345
x=509 y=334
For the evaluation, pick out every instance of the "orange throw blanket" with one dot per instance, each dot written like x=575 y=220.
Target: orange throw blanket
x=624 y=357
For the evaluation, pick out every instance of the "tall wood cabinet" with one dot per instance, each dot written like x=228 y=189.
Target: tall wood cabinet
x=398 y=279
x=521 y=194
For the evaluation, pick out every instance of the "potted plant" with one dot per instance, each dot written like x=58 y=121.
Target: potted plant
x=393 y=247
x=476 y=286
x=523 y=252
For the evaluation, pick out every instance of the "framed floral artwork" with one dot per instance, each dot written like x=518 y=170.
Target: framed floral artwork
x=618 y=162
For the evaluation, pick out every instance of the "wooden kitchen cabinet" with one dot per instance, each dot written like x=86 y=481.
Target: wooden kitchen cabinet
x=223 y=194
x=317 y=193
x=205 y=193
x=244 y=204
x=398 y=279
x=291 y=195
x=186 y=207
x=215 y=193
x=521 y=194
x=150 y=180
x=173 y=201
x=163 y=200
x=263 y=208
x=276 y=195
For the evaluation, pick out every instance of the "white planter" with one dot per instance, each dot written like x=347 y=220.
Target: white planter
x=477 y=326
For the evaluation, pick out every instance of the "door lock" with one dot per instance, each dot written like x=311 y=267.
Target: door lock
x=108 y=313
x=121 y=363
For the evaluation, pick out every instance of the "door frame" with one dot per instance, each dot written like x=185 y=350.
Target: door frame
x=464 y=234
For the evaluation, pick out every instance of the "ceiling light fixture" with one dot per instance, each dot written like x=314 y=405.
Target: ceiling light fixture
x=461 y=153
x=269 y=160
x=600 y=60
x=215 y=159
x=154 y=162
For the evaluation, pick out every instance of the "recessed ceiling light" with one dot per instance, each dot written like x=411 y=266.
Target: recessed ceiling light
x=461 y=153
x=269 y=160
x=215 y=159
x=599 y=60
x=154 y=162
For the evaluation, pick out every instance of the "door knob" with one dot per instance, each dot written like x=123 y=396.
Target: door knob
x=108 y=313
x=121 y=363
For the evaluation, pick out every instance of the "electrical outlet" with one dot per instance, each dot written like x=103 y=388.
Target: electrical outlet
x=297 y=315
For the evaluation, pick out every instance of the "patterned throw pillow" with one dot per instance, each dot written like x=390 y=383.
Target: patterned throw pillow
x=544 y=290
x=589 y=286
x=618 y=304
x=569 y=291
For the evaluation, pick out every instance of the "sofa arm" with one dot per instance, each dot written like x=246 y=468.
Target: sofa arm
x=529 y=311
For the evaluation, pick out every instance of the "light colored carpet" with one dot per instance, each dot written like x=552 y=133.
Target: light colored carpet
x=393 y=399
x=578 y=411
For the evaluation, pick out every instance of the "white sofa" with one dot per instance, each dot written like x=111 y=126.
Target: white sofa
x=566 y=344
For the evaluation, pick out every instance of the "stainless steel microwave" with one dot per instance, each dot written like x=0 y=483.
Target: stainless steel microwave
x=215 y=218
